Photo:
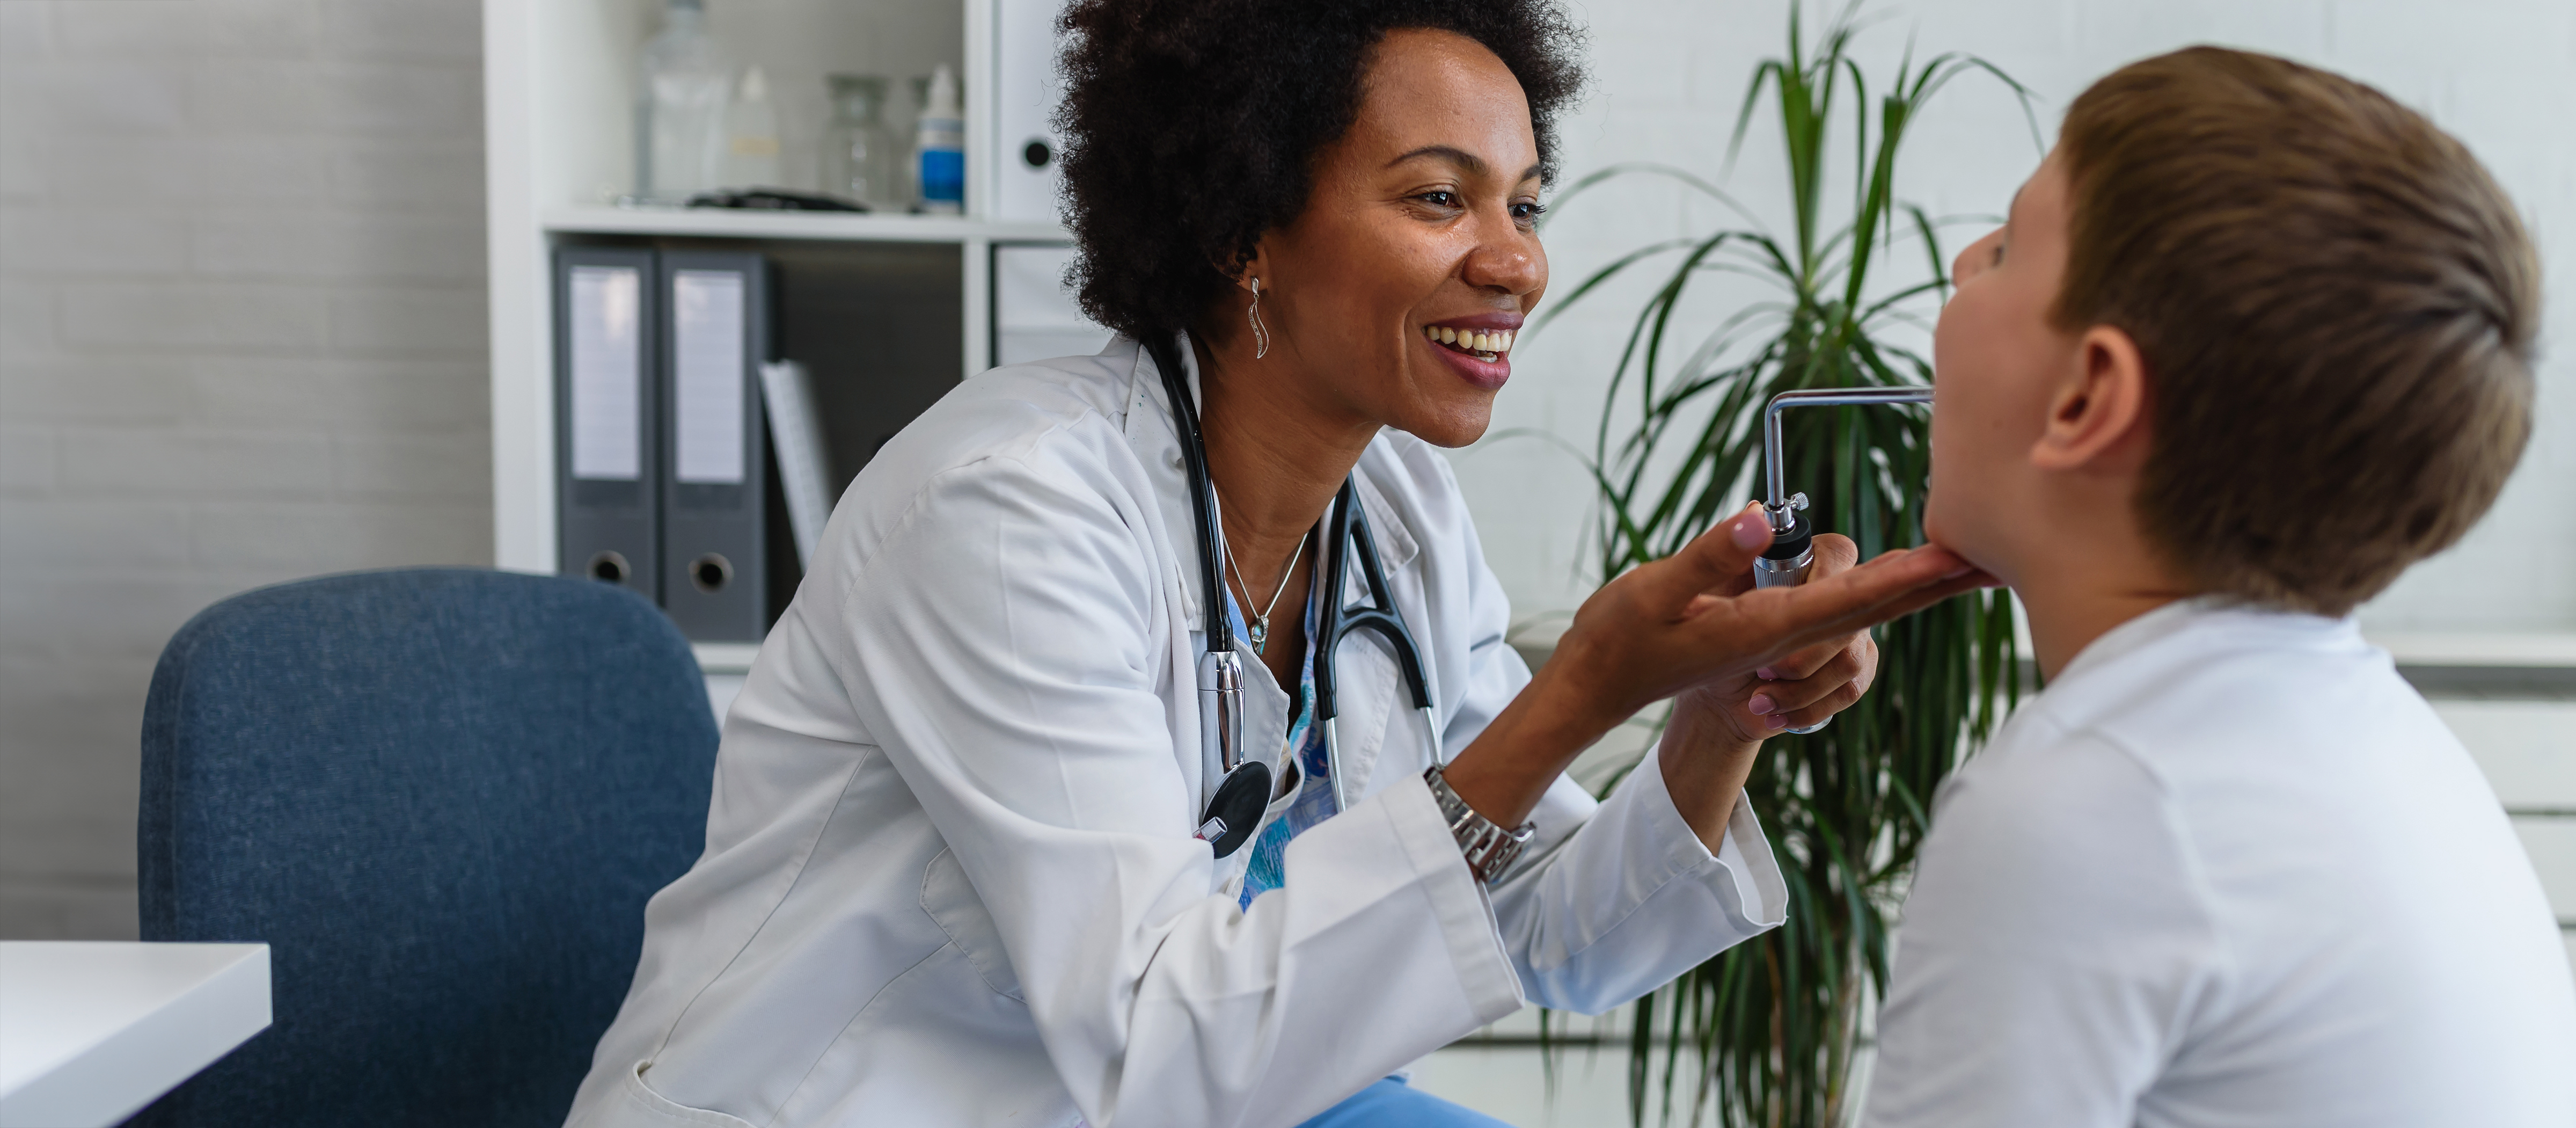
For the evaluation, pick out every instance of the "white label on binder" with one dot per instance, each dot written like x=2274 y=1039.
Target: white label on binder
x=707 y=312
x=607 y=373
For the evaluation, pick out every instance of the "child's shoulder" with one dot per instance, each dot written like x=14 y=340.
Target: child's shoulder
x=2239 y=745
x=2197 y=688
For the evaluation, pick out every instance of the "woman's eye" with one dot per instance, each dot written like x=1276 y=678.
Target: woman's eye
x=1441 y=199
x=1528 y=211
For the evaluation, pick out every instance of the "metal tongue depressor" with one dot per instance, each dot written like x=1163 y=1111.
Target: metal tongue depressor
x=1792 y=553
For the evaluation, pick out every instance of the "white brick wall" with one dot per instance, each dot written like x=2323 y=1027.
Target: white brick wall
x=241 y=341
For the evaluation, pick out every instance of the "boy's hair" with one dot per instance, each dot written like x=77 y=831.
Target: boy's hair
x=2336 y=307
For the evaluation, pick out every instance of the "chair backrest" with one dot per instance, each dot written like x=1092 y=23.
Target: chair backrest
x=442 y=797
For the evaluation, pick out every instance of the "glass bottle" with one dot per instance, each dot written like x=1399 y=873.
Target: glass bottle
x=861 y=157
x=683 y=82
x=751 y=134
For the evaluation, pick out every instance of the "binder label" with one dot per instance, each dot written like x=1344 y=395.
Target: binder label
x=708 y=349
x=607 y=373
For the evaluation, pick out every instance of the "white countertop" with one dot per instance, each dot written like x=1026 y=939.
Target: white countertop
x=94 y=1031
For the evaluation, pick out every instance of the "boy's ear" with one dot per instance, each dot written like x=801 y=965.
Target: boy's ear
x=2097 y=414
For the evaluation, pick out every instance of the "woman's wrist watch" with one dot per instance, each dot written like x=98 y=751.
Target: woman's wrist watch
x=1489 y=848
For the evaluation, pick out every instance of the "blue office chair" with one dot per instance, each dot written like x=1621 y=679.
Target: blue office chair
x=442 y=797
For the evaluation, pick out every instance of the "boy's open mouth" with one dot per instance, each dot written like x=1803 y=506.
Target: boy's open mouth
x=1485 y=345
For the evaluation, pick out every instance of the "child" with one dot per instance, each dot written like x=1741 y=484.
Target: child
x=2253 y=340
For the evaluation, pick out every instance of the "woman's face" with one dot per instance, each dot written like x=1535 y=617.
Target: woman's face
x=1422 y=219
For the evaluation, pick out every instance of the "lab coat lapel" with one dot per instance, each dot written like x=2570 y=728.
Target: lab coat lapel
x=1153 y=429
x=1154 y=434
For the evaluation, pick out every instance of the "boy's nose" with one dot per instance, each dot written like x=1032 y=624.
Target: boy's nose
x=1970 y=261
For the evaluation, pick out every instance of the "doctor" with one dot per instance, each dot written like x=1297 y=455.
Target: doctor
x=957 y=870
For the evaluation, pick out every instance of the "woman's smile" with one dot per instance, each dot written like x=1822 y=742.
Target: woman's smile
x=1477 y=348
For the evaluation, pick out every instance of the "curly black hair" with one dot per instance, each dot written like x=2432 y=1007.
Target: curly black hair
x=1190 y=127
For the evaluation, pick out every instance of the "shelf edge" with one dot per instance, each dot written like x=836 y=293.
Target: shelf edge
x=818 y=226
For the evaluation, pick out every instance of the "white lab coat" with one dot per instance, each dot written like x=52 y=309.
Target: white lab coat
x=949 y=876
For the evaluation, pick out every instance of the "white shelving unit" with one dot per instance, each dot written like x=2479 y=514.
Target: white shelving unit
x=558 y=105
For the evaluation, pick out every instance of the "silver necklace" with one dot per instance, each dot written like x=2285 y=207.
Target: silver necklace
x=1261 y=622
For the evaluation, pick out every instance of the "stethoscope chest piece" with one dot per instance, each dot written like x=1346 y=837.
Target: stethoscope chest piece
x=1237 y=808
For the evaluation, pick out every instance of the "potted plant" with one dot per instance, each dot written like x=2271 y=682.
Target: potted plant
x=1765 y=1032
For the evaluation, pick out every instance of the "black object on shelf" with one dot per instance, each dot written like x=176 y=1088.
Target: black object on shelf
x=774 y=199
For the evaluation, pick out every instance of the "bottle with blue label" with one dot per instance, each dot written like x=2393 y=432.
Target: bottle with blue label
x=940 y=145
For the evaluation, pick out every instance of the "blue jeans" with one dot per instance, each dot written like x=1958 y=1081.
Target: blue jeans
x=1391 y=1103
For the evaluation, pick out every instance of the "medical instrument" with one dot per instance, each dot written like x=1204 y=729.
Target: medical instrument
x=1236 y=809
x=1792 y=553
x=1346 y=529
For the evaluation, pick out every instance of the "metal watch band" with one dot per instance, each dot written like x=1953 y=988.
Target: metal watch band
x=1489 y=848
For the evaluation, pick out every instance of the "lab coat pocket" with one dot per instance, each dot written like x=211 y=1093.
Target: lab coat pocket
x=658 y=1109
x=952 y=903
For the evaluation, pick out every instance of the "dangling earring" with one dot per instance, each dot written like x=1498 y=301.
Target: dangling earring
x=1260 y=332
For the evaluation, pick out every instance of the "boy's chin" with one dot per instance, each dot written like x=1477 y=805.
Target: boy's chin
x=1965 y=544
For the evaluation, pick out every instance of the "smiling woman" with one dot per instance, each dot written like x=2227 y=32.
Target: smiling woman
x=987 y=845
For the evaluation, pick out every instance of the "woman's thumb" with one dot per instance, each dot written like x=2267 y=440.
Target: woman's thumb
x=1720 y=554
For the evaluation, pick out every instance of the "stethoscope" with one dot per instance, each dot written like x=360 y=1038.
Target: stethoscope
x=1235 y=811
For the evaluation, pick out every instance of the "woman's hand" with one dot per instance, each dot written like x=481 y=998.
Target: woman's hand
x=1797 y=691
x=1687 y=620
x=1716 y=727
x=1694 y=618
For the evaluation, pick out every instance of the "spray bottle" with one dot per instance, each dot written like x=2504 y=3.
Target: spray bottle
x=941 y=144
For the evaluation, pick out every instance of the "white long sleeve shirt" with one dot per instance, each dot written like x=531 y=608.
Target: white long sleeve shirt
x=949 y=876
x=2229 y=869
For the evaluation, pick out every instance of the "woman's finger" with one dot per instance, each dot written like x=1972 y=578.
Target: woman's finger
x=1783 y=621
x=1771 y=698
x=1710 y=562
x=1902 y=602
x=1804 y=663
x=1842 y=697
x=1835 y=555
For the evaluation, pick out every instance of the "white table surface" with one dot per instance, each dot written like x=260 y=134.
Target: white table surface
x=91 y=1032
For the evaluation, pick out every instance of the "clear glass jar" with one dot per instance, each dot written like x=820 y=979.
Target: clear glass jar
x=684 y=83
x=862 y=158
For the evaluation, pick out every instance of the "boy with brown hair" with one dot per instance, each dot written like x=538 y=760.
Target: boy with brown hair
x=2253 y=340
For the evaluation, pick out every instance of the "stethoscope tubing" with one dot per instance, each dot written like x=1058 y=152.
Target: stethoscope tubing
x=1347 y=534
x=1342 y=799
x=1346 y=529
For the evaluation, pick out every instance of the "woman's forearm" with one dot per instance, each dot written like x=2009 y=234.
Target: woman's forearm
x=1705 y=763
x=1505 y=770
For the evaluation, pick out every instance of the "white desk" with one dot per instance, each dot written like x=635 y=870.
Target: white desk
x=92 y=1032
